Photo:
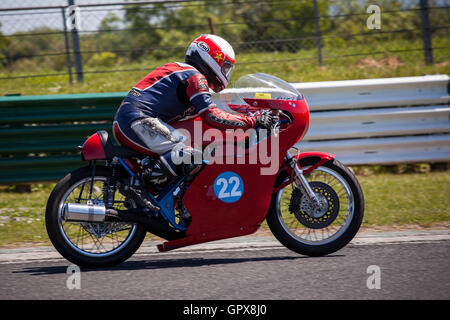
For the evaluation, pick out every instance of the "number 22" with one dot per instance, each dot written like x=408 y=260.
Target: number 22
x=234 y=190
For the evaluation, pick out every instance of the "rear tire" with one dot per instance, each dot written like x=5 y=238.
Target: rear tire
x=84 y=246
x=288 y=217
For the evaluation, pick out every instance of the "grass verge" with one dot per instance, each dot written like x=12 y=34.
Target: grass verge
x=382 y=59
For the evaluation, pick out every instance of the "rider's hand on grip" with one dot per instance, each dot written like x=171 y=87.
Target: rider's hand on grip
x=264 y=120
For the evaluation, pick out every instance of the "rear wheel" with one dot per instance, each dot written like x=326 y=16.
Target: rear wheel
x=89 y=244
x=303 y=228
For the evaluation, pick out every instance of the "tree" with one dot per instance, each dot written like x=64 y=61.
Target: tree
x=4 y=44
x=284 y=27
x=142 y=22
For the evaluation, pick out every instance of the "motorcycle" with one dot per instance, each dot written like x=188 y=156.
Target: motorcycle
x=96 y=216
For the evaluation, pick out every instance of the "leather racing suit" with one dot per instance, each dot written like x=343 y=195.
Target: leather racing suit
x=165 y=95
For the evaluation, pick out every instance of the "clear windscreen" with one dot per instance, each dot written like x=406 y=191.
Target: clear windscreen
x=256 y=86
x=265 y=86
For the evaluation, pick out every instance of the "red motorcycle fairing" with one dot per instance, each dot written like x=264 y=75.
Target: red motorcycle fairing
x=214 y=218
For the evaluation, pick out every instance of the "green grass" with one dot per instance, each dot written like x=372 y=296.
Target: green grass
x=22 y=215
x=301 y=66
x=391 y=199
x=407 y=198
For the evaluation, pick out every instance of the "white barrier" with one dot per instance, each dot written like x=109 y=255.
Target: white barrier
x=391 y=150
x=368 y=93
x=376 y=121
x=381 y=122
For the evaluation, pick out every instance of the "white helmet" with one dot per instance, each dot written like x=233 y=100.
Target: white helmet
x=214 y=57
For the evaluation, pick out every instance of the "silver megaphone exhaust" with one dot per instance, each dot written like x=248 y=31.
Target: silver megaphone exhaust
x=77 y=212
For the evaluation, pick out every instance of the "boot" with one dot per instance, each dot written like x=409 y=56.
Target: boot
x=190 y=168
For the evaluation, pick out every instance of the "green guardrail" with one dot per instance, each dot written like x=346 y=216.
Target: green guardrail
x=39 y=135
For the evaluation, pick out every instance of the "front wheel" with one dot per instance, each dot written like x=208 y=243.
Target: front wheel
x=303 y=228
x=89 y=244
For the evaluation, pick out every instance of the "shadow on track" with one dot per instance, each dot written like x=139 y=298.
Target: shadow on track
x=165 y=263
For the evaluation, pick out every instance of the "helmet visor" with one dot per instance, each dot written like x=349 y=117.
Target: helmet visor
x=227 y=69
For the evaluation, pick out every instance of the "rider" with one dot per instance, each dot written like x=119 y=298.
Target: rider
x=177 y=90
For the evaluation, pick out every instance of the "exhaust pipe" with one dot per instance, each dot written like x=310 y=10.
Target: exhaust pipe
x=77 y=212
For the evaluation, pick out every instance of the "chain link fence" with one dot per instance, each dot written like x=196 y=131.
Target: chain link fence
x=72 y=38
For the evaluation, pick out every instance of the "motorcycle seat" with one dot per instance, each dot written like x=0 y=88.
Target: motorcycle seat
x=112 y=150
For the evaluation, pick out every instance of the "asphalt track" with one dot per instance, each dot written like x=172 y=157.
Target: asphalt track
x=388 y=266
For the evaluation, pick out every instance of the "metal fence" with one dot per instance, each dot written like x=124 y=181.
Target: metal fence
x=72 y=38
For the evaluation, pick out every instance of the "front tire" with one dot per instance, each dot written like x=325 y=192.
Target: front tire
x=86 y=244
x=308 y=231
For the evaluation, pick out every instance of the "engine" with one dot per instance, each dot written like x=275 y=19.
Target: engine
x=153 y=172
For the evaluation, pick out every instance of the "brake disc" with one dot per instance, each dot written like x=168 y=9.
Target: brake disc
x=307 y=213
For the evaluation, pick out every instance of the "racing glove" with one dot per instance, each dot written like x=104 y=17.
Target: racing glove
x=223 y=120
x=264 y=120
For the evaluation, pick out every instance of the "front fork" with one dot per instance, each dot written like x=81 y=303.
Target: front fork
x=301 y=181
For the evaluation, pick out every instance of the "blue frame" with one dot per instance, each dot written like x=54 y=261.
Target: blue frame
x=164 y=200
